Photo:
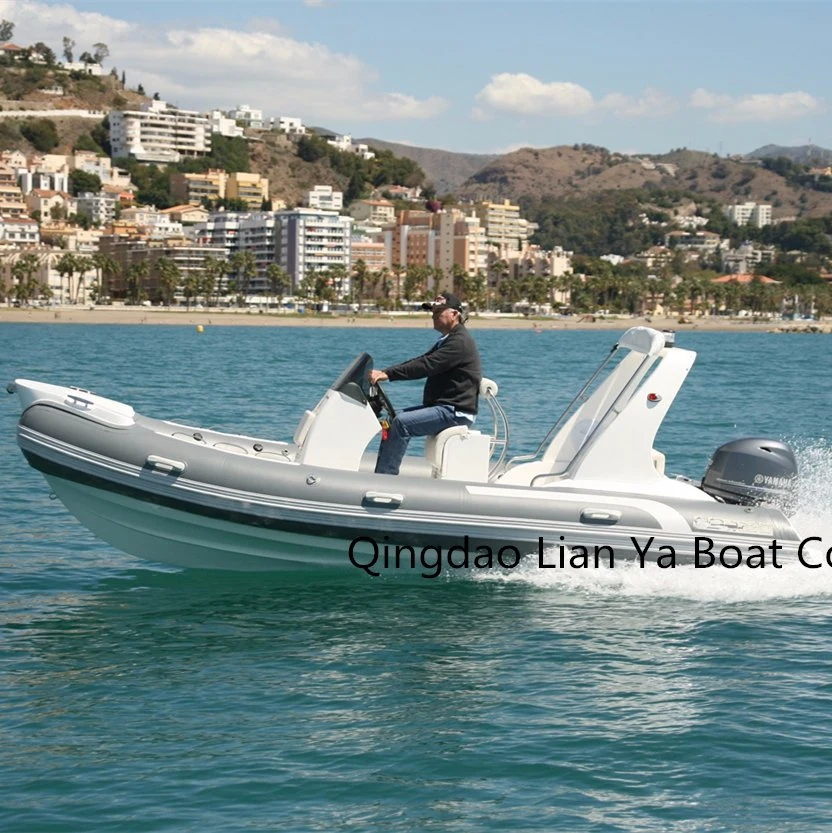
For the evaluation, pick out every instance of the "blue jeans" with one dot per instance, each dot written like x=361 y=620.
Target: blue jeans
x=413 y=422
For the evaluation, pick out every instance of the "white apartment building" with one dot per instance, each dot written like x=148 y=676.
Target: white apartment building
x=29 y=181
x=700 y=242
x=310 y=240
x=755 y=214
x=745 y=257
x=247 y=115
x=325 y=198
x=100 y=208
x=159 y=133
x=20 y=231
x=222 y=228
x=504 y=227
x=225 y=126
x=343 y=142
x=86 y=69
x=259 y=235
x=291 y=125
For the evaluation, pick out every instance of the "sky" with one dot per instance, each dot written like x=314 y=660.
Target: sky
x=477 y=76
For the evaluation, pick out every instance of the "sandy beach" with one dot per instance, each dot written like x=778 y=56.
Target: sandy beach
x=235 y=318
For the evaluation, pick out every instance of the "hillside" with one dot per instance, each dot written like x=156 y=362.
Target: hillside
x=583 y=170
x=274 y=156
x=527 y=175
x=804 y=154
x=445 y=169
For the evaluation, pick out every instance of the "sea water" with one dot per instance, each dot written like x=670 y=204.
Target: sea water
x=137 y=697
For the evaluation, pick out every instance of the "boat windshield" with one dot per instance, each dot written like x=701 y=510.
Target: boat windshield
x=353 y=381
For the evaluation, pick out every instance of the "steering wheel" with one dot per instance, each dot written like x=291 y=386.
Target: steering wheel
x=381 y=397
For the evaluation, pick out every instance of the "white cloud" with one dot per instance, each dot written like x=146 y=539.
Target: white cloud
x=213 y=67
x=651 y=104
x=525 y=95
x=759 y=107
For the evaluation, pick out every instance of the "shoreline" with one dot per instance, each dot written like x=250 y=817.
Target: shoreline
x=234 y=318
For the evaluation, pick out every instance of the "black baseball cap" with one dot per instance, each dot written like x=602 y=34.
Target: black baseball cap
x=444 y=300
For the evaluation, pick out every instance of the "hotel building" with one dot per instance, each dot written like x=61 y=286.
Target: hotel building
x=159 y=133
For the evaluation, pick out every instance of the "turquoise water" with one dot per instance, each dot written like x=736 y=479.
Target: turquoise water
x=140 y=698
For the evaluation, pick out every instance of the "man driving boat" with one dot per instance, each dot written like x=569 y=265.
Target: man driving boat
x=453 y=372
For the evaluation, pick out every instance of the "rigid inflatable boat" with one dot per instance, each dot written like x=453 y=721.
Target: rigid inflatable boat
x=198 y=498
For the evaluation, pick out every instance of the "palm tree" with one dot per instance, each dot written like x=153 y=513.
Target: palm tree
x=169 y=277
x=190 y=287
x=213 y=270
x=83 y=265
x=360 y=274
x=136 y=275
x=398 y=271
x=66 y=267
x=106 y=268
x=278 y=281
x=244 y=265
x=337 y=277
x=415 y=282
x=23 y=272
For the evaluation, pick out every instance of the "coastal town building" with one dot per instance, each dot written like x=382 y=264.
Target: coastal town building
x=252 y=189
x=31 y=180
x=221 y=230
x=100 y=166
x=311 y=240
x=656 y=257
x=749 y=213
x=373 y=212
x=504 y=227
x=372 y=252
x=746 y=256
x=324 y=198
x=699 y=243
x=411 y=241
x=99 y=208
x=11 y=200
x=156 y=224
x=159 y=133
x=247 y=116
x=187 y=214
x=536 y=262
x=188 y=257
x=70 y=238
x=194 y=188
x=20 y=231
x=291 y=125
x=224 y=126
x=259 y=235
x=460 y=241
x=50 y=204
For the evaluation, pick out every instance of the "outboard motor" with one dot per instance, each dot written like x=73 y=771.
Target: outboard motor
x=753 y=471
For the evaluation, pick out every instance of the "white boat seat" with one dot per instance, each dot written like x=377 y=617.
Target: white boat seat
x=303 y=427
x=658 y=461
x=458 y=453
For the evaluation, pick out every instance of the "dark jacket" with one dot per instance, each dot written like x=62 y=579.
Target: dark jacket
x=453 y=371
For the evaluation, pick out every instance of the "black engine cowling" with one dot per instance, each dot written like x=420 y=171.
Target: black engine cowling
x=753 y=471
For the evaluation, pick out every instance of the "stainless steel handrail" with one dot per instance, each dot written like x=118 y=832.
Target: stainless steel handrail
x=499 y=435
x=579 y=397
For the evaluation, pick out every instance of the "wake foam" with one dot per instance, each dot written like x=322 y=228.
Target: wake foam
x=717 y=583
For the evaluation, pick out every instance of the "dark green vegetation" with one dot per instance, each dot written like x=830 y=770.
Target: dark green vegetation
x=383 y=169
